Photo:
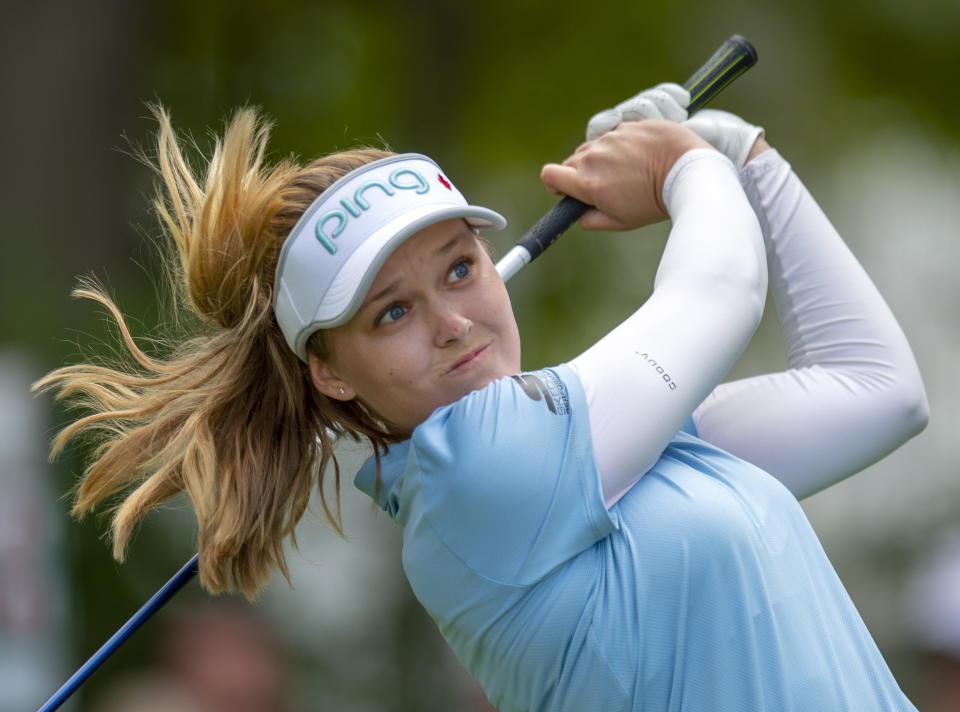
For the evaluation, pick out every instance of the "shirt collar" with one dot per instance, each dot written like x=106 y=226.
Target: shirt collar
x=392 y=465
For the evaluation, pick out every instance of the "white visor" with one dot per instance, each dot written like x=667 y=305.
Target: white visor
x=335 y=250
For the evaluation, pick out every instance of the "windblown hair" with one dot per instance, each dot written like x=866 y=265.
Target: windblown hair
x=228 y=413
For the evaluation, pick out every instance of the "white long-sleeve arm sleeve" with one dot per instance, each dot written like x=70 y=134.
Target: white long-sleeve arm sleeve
x=853 y=392
x=644 y=378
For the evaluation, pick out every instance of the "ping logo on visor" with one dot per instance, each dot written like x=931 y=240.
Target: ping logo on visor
x=335 y=250
x=400 y=179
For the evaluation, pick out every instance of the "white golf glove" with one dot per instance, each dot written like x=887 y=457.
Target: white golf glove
x=726 y=132
x=664 y=101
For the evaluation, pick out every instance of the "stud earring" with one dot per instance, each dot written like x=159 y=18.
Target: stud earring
x=341 y=391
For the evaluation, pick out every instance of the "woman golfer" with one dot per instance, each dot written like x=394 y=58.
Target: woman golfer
x=617 y=532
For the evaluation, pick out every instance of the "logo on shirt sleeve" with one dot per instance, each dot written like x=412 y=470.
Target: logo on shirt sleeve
x=545 y=385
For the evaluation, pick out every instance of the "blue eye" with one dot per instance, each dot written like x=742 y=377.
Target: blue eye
x=392 y=313
x=460 y=271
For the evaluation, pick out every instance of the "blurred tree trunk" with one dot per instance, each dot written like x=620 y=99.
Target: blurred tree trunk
x=69 y=70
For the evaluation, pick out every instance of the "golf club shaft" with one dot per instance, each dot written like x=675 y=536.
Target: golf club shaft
x=734 y=57
x=169 y=589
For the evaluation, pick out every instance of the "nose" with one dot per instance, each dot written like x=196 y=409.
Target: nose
x=451 y=325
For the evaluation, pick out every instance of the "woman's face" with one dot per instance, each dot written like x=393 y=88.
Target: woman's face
x=436 y=324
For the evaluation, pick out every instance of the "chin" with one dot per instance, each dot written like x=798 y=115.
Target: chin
x=479 y=383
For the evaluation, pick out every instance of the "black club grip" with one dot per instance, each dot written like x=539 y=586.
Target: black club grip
x=734 y=57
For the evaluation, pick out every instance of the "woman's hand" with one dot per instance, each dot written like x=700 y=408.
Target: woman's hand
x=728 y=133
x=622 y=172
x=664 y=101
x=735 y=138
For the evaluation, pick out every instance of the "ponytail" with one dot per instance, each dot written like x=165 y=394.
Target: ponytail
x=227 y=413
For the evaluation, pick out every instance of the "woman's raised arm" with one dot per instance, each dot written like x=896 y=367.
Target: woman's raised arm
x=853 y=392
x=643 y=380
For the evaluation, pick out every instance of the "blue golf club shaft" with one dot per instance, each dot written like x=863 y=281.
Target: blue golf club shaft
x=170 y=588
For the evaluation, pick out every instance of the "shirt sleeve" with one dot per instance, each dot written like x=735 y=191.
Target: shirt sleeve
x=507 y=477
x=853 y=392
x=644 y=379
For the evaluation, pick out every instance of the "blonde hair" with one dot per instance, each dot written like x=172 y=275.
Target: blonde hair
x=228 y=414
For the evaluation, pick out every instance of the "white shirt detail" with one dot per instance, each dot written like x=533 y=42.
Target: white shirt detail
x=644 y=378
x=852 y=393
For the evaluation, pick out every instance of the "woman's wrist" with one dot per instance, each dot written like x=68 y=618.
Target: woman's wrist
x=759 y=146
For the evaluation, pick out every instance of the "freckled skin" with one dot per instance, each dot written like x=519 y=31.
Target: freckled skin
x=445 y=328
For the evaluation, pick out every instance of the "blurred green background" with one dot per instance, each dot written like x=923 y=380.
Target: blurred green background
x=859 y=96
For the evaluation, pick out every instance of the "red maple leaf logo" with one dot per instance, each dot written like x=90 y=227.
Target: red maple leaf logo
x=444 y=182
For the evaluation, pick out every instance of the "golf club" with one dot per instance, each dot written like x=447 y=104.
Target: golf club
x=734 y=57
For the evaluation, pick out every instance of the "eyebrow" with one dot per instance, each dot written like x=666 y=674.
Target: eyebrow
x=449 y=245
x=383 y=292
x=446 y=247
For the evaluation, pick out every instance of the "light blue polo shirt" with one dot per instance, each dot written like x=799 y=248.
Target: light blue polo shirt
x=703 y=588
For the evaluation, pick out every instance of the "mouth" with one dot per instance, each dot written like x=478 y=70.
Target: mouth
x=467 y=360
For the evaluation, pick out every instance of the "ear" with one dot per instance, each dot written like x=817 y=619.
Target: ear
x=327 y=380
